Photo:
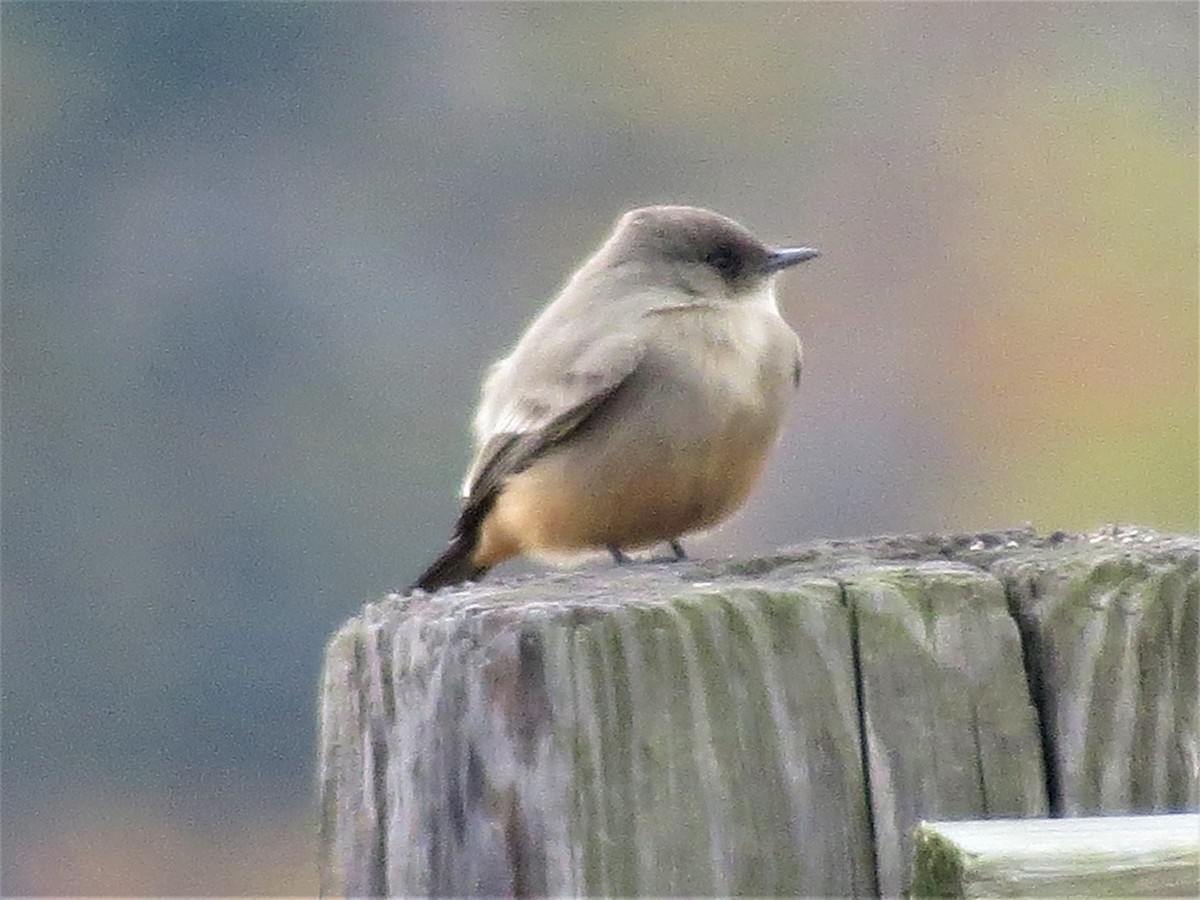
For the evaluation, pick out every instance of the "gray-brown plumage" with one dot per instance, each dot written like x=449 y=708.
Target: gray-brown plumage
x=641 y=403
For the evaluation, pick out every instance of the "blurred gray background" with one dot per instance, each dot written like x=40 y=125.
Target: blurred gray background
x=255 y=258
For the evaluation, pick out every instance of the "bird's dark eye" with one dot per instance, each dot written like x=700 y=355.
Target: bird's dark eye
x=724 y=260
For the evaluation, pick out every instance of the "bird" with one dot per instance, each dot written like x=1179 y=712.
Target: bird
x=639 y=406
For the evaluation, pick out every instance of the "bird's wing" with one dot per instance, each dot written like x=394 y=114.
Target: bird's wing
x=532 y=402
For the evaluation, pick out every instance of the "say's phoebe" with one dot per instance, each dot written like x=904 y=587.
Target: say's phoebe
x=640 y=404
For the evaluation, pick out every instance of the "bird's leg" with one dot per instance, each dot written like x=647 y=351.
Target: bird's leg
x=677 y=549
x=618 y=557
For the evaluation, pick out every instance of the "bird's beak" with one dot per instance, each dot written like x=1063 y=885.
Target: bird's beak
x=781 y=259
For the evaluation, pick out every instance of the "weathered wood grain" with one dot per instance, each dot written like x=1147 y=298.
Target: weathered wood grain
x=766 y=726
x=679 y=741
x=1111 y=625
x=949 y=727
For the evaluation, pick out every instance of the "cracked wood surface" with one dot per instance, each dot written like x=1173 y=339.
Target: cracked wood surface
x=775 y=725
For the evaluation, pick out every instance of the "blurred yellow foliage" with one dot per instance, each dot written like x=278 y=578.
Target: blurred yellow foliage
x=1083 y=366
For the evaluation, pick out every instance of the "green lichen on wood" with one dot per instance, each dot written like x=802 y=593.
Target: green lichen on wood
x=939 y=868
x=1106 y=856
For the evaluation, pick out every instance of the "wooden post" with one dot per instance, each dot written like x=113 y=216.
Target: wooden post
x=766 y=726
x=1112 y=856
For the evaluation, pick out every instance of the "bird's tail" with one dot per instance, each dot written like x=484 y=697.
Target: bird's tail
x=452 y=567
x=455 y=564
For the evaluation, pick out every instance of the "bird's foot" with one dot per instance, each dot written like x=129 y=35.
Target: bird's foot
x=621 y=559
x=618 y=557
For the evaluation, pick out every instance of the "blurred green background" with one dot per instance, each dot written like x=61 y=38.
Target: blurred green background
x=256 y=257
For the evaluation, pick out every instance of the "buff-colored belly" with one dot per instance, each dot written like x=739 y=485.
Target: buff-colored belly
x=590 y=496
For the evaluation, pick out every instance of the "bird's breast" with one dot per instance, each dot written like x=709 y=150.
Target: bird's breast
x=741 y=357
